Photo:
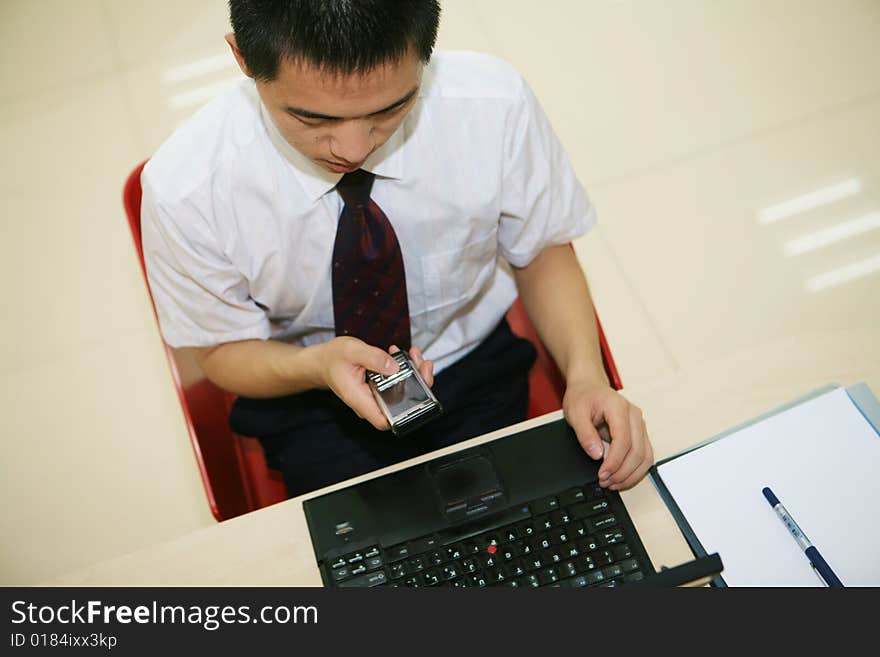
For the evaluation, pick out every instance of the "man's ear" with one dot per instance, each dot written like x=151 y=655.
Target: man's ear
x=233 y=44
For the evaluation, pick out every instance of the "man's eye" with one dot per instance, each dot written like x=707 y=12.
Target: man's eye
x=308 y=122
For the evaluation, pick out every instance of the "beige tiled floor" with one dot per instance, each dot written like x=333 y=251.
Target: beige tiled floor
x=690 y=121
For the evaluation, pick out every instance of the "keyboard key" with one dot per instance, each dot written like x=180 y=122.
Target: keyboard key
x=513 y=583
x=571 y=551
x=593 y=492
x=548 y=576
x=515 y=569
x=634 y=576
x=398 y=570
x=339 y=563
x=532 y=563
x=588 y=509
x=397 y=553
x=559 y=518
x=622 y=552
x=413 y=582
x=553 y=556
x=415 y=564
x=487 y=560
x=511 y=534
x=541 y=543
x=470 y=547
x=588 y=544
x=578 y=581
x=460 y=583
x=478 y=580
x=544 y=523
x=360 y=568
x=455 y=552
x=523 y=547
x=568 y=569
x=470 y=565
x=602 y=523
x=485 y=541
x=372 y=552
x=366 y=581
x=450 y=571
x=431 y=577
x=629 y=565
x=436 y=557
x=611 y=537
x=594 y=577
x=544 y=505
x=587 y=563
x=602 y=557
x=572 y=496
x=612 y=571
x=423 y=545
x=599 y=505
x=496 y=576
x=508 y=552
x=533 y=581
x=357 y=557
x=373 y=562
x=527 y=529
x=341 y=573
x=558 y=536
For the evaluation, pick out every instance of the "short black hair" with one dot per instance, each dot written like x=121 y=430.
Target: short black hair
x=339 y=36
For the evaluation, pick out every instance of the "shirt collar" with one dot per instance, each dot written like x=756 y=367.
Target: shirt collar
x=386 y=162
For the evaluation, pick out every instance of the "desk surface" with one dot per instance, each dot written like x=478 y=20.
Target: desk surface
x=272 y=547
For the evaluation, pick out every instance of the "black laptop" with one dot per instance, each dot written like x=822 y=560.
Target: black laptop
x=524 y=510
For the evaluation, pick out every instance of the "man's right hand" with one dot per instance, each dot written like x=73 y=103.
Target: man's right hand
x=344 y=362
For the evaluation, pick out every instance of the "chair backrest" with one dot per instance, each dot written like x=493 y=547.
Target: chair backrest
x=233 y=468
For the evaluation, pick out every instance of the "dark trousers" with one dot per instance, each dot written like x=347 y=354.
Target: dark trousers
x=316 y=440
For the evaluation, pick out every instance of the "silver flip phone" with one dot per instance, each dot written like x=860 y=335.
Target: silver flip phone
x=404 y=397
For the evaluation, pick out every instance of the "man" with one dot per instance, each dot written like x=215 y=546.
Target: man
x=353 y=196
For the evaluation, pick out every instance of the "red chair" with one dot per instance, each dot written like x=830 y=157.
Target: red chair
x=233 y=467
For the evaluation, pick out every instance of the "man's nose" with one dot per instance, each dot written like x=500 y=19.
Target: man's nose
x=352 y=141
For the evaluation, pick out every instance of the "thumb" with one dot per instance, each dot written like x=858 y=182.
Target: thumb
x=374 y=359
x=587 y=434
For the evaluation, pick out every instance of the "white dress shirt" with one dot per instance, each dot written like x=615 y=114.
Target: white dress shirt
x=239 y=227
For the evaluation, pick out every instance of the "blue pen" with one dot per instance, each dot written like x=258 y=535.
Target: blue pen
x=816 y=561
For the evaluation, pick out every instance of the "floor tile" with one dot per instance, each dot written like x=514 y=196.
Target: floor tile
x=715 y=276
x=97 y=461
x=630 y=85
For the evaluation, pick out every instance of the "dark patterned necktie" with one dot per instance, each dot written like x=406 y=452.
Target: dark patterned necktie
x=369 y=284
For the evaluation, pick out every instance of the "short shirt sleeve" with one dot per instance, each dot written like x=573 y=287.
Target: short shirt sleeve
x=201 y=298
x=543 y=203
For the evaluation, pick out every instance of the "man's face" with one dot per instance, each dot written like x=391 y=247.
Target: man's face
x=338 y=120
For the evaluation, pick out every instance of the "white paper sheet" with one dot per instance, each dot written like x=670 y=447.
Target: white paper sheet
x=822 y=460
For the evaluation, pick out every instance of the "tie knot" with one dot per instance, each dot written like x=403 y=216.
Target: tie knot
x=354 y=187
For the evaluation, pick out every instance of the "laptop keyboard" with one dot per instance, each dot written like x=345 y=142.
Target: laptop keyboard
x=573 y=539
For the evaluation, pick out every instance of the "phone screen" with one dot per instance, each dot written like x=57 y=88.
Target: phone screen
x=402 y=396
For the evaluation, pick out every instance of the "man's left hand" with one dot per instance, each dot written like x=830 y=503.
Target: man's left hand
x=586 y=406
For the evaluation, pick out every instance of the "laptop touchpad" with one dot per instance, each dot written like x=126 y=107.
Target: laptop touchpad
x=467 y=487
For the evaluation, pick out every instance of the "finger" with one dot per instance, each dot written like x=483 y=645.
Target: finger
x=416 y=355
x=393 y=349
x=426 y=369
x=637 y=451
x=640 y=472
x=616 y=416
x=364 y=405
x=580 y=420
x=637 y=475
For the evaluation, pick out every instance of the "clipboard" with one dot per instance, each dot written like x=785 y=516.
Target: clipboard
x=862 y=399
